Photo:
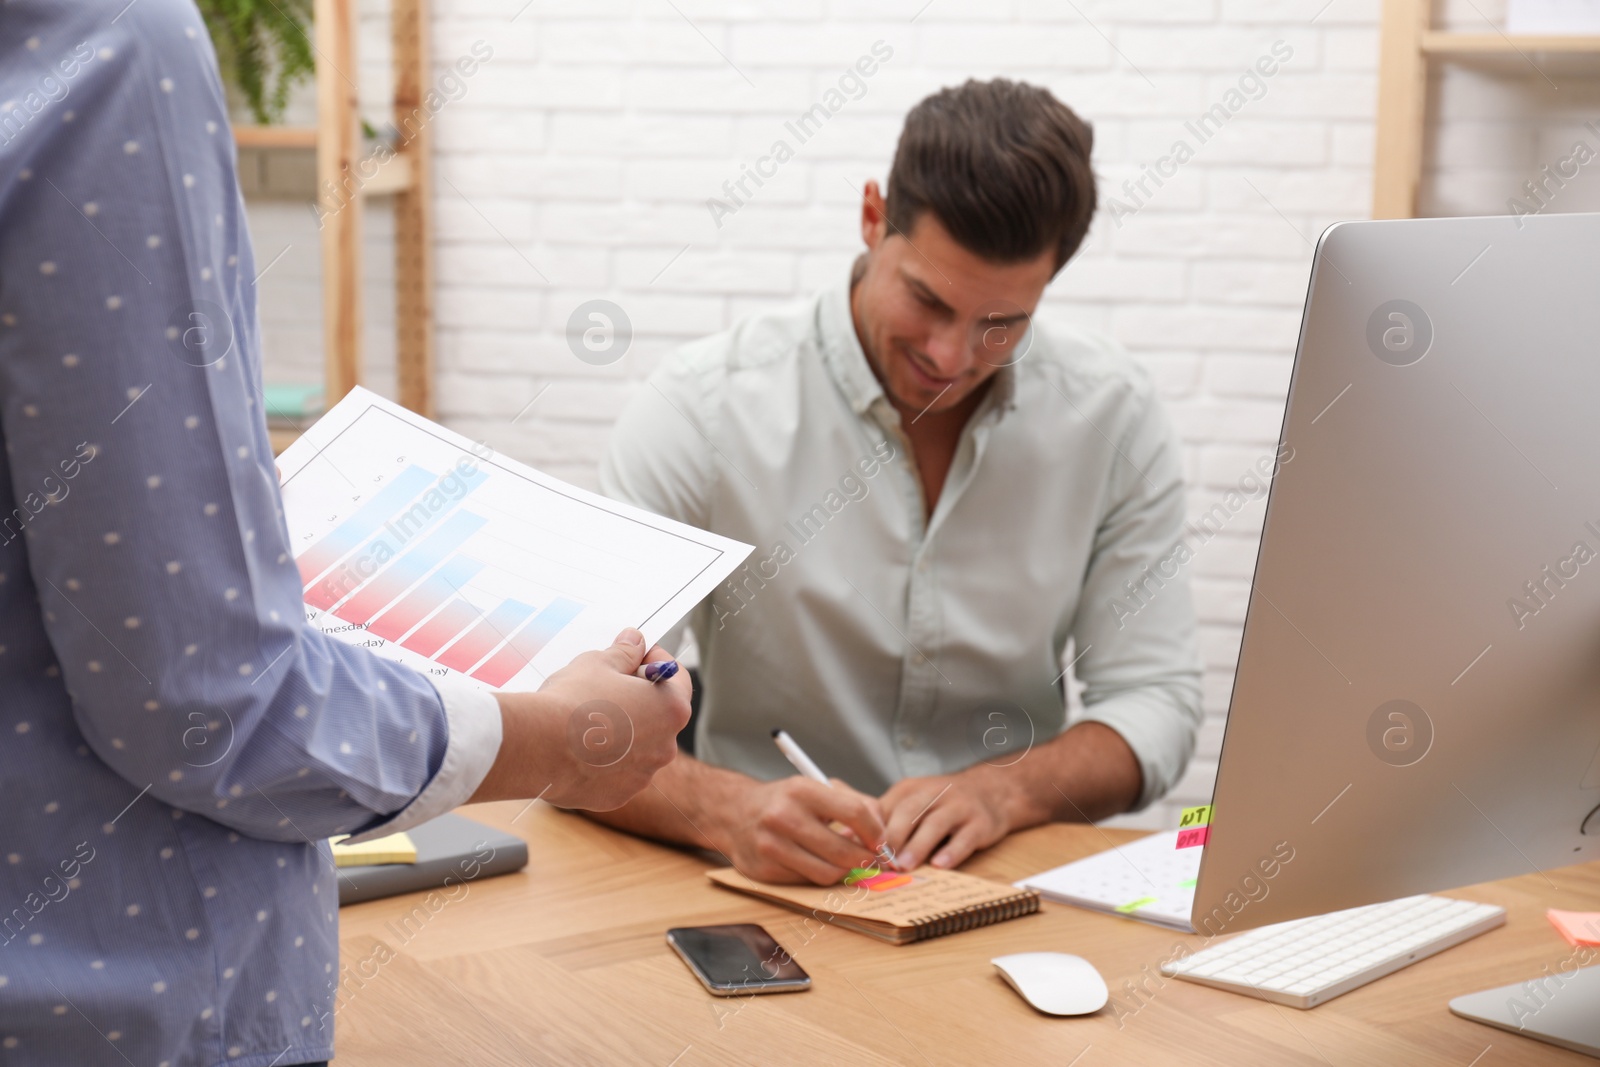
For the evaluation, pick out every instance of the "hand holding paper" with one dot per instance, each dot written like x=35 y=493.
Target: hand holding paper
x=427 y=548
x=593 y=735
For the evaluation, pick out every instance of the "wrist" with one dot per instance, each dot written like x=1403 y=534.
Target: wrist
x=1015 y=793
x=714 y=803
x=535 y=758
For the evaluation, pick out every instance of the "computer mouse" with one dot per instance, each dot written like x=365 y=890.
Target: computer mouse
x=1054 y=982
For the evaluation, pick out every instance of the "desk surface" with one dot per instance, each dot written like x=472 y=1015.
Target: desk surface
x=565 y=963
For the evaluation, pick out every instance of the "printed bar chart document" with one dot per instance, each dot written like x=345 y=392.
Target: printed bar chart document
x=430 y=549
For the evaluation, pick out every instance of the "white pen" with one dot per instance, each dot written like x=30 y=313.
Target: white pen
x=808 y=767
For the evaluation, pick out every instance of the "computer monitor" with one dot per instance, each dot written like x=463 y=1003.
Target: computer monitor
x=1417 y=701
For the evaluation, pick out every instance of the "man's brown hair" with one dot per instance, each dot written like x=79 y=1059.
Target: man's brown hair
x=1004 y=166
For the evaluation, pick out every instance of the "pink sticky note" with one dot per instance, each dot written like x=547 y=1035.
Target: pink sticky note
x=1191 y=838
x=1578 y=927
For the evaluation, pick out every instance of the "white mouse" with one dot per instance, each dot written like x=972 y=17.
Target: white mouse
x=1054 y=982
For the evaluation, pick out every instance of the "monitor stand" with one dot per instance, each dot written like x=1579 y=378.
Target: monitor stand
x=1562 y=1008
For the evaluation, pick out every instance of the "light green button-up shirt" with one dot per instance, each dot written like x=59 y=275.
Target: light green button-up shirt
x=890 y=646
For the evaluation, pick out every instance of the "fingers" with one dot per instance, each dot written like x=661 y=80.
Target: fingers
x=903 y=808
x=781 y=860
x=626 y=652
x=812 y=850
x=933 y=828
x=857 y=811
x=967 y=839
x=679 y=685
x=792 y=829
x=682 y=690
x=908 y=802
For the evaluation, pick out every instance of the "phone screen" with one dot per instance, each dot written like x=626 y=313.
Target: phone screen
x=739 y=956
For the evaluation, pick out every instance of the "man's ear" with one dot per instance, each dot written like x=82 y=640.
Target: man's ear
x=874 y=216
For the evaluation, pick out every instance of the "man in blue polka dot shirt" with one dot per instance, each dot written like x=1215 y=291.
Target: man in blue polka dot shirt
x=175 y=742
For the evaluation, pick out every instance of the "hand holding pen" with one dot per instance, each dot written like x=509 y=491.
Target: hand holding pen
x=658 y=671
x=808 y=767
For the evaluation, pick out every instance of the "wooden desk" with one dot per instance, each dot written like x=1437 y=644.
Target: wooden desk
x=565 y=963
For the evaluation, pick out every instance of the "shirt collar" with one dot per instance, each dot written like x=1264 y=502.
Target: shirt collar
x=842 y=352
x=847 y=361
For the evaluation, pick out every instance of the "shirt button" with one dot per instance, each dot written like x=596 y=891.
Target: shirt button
x=907 y=741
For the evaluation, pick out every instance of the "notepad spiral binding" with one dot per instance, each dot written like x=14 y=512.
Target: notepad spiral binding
x=974 y=915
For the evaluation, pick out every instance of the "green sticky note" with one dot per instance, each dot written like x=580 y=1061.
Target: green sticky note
x=1134 y=905
x=858 y=874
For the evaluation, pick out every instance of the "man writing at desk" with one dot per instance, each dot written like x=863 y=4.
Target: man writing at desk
x=941 y=493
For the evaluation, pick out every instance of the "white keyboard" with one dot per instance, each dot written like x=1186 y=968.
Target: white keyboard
x=1308 y=961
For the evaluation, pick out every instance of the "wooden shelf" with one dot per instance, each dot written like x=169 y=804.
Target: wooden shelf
x=1438 y=43
x=1409 y=49
x=394 y=175
x=342 y=159
x=275 y=136
x=391 y=177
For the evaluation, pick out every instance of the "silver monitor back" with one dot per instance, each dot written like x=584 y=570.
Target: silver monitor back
x=1417 y=703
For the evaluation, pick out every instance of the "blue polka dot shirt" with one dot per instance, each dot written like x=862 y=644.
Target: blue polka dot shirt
x=175 y=742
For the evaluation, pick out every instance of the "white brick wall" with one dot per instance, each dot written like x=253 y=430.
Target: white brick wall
x=588 y=145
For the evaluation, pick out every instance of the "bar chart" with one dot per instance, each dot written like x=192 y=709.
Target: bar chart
x=395 y=567
x=423 y=547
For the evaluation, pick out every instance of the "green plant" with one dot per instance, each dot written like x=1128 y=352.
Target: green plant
x=264 y=48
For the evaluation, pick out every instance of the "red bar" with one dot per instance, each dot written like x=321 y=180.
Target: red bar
x=375 y=595
x=518 y=652
x=502 y=666
x=430 y=638
x=434 y=590
x=482 y=638
x=339 y=583
x=471 y=648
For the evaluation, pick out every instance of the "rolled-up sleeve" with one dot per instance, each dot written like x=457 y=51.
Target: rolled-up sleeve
x=1135 y=623
x=147 y=509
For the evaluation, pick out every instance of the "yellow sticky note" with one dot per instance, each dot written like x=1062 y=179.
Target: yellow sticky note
x=396 y=848
x=1134 y=905
x=1193 y=817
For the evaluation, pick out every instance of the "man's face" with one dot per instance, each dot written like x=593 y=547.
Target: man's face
x=936 y=320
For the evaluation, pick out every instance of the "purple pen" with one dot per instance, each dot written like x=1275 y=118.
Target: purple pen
x=659 y=672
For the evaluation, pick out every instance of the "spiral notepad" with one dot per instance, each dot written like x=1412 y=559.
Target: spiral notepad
x=929 y=903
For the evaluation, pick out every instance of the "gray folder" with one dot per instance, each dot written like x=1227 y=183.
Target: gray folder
x=450 y=849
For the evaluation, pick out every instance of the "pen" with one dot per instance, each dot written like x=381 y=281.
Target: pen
x=808 y=767
x=658 y=672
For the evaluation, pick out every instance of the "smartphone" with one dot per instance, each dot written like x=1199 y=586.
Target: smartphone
x=737 y=959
